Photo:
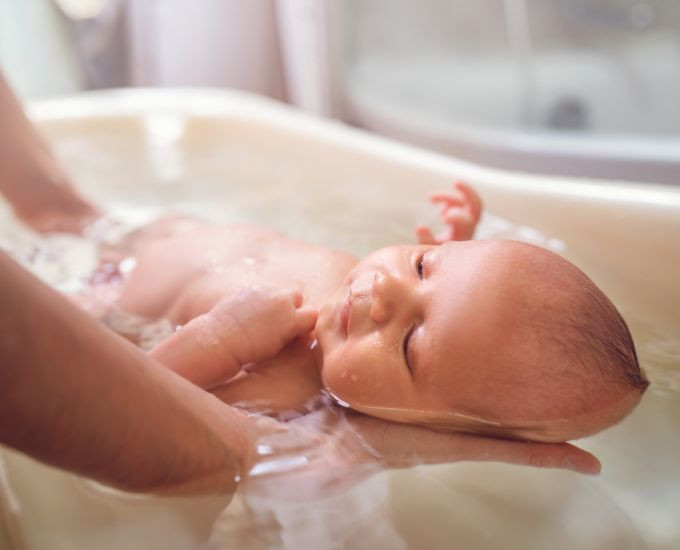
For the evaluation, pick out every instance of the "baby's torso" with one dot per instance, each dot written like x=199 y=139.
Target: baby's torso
x=184 y=267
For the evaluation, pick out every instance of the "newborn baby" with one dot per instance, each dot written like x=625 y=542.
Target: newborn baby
x=492 y=337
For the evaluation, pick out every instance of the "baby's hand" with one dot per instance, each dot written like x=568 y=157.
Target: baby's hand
x=460 y=211
x=253 y=325
x=265 y=320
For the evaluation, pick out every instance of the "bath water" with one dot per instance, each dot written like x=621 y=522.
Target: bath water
x=244 y=171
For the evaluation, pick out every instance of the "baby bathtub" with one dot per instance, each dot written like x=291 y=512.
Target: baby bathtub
x=229 y=157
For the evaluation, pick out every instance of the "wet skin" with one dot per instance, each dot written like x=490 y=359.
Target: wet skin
x=424 y=329
x=443 y=335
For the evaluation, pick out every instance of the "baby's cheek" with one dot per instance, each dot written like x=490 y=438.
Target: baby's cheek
x=357 y=379
x=341 y=377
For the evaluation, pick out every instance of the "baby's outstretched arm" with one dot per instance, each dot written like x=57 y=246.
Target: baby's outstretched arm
x=460 y=211
x=251 y=326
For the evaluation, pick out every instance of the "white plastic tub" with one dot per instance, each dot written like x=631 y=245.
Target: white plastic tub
x=228 y=157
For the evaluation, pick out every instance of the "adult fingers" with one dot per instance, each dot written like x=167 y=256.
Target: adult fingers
x=426 y=446
x=541 y=455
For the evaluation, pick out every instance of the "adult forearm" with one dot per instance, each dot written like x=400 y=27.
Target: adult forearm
x=75 y=395
x=23 y=155
x=30 y=177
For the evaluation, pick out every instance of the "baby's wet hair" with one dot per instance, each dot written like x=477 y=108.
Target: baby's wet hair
x=564 y=363
x=592 y=332
x=597 y=324
x=587 y=351
x=585 y=366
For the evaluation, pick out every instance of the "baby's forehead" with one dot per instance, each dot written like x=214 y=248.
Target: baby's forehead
x=456 y=264
x=478 y=306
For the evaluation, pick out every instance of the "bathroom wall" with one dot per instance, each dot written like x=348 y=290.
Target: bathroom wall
x=38 y=49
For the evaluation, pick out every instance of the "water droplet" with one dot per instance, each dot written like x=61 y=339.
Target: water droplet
x=127 y=265
x=264 y=450
x=354 y=378
x=337 y=400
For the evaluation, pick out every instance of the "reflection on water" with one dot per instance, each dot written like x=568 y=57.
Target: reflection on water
x=360 y=518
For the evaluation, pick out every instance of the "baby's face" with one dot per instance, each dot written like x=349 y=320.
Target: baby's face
x=416 y=332
x=451 y=336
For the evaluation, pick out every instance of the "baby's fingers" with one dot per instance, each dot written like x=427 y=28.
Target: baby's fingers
x=285 y=297
x=305 y=320
x=472 y=199
x=298 y=298
x=448 y=199
x=424 y=235
x=461 y=223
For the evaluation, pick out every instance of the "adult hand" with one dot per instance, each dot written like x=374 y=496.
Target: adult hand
x=31 y=179
x=50 y=206
x=331 y=449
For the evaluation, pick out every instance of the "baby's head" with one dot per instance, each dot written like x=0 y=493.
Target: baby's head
x=493 y=337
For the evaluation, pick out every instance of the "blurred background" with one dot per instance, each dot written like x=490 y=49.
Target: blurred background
x=577 y=87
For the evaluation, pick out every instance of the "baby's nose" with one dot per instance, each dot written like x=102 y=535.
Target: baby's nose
x=385 y=295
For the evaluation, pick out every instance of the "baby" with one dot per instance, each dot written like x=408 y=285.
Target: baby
x=492 y=337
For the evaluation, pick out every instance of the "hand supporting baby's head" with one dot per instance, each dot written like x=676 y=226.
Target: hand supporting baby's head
x=494 y=337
